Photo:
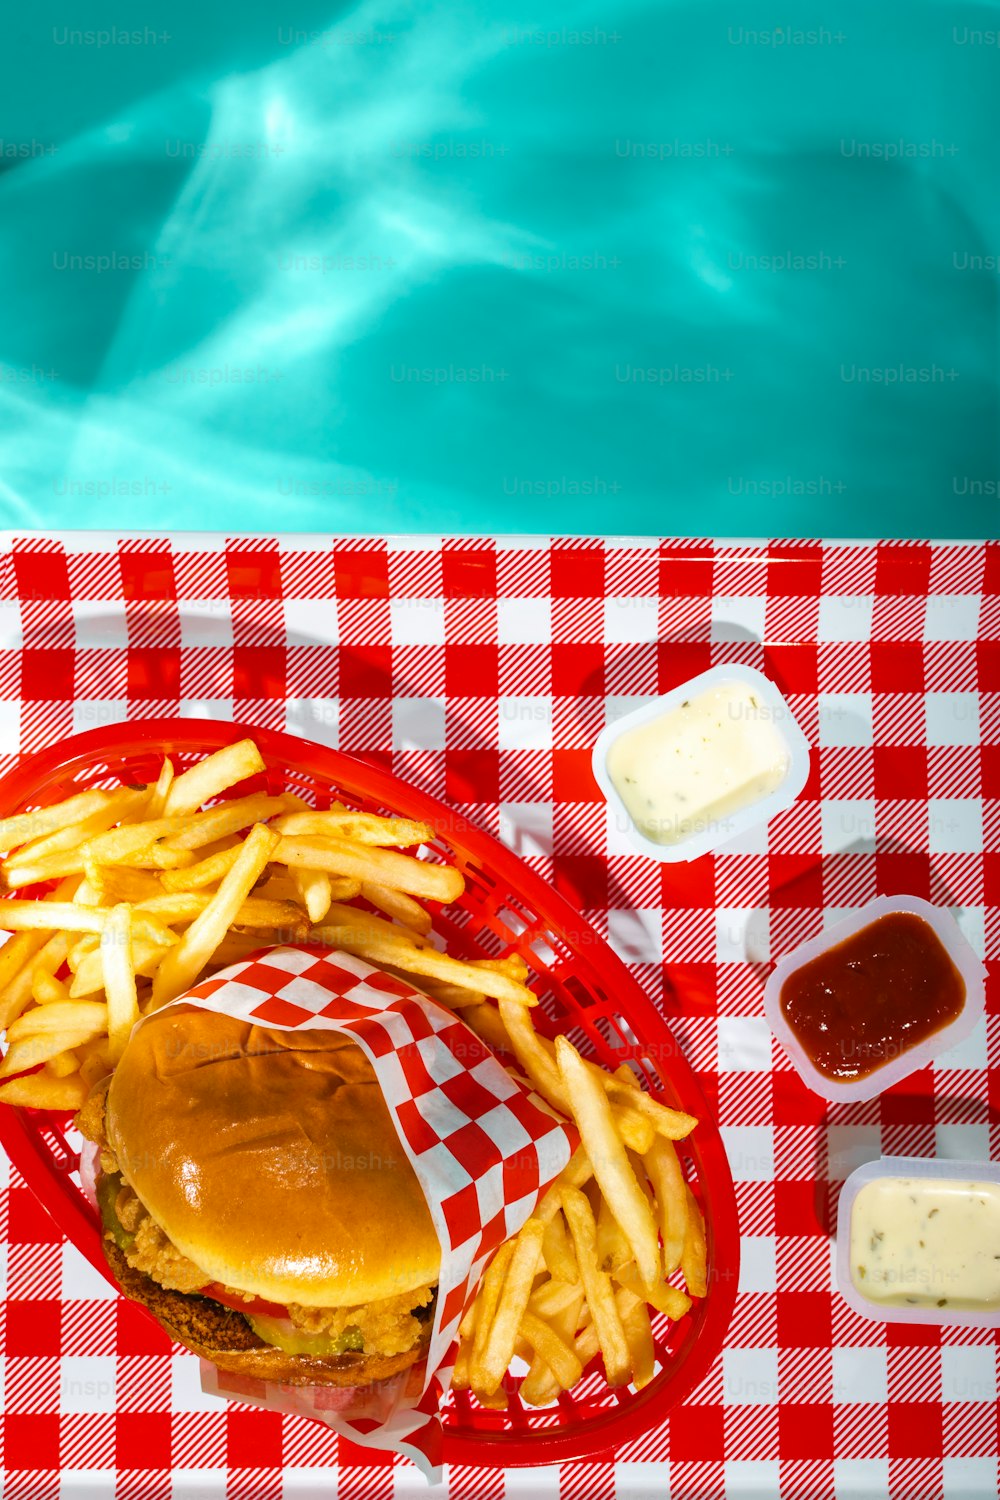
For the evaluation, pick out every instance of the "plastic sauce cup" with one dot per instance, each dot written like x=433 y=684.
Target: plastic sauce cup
x=906 y=1166
x=973 y=973
x=711 y=833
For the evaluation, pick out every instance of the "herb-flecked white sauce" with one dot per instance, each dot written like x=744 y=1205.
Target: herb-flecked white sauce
x=927 y=1242
x=716 y=753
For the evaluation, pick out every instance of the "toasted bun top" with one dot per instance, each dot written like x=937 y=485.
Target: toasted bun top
x=270 y=1159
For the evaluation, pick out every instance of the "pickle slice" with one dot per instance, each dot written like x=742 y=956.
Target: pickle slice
x=293 y=1340
x=109 y=1185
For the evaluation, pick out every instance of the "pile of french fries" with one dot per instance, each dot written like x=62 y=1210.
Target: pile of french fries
x=579 y=1278
x=152 y=888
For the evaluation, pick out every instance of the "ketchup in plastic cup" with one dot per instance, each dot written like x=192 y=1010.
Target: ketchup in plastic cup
x=875 y=997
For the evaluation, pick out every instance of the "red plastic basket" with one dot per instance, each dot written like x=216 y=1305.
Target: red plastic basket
x=584 y=990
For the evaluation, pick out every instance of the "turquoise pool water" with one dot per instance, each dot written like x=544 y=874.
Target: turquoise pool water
x=693 y=267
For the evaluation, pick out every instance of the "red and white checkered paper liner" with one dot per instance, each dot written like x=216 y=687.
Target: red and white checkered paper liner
x=483 y=1150
x=482 y=670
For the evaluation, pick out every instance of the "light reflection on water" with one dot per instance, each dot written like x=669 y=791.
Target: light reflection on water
x=462 y=267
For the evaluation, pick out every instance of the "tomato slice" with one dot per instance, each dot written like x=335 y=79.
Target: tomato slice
x=256 y=1305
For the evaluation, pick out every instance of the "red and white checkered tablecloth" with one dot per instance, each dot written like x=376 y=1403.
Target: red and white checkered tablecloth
x=482 y=671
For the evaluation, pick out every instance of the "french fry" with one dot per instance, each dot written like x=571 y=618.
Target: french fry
x=113 y=847
x=146 y=925
x=40 y=1092
x=513 y=965
x=95 y=1061
x=557 y=1251
x=540 y=1386
x=635 y=1128
x=552 y=1298
x=282 y=916
x=315 y=891
x=490 y=1366
x=670 y=1191
x=454 y=997
x=537 y=1057
x=536 y=1054
x=54 y=843
x=284 y=886
x=638 y=1165
x=635 y=1320
x=537 y=1063
x=612 y=1169
x=23 y=954
x=30 y=1053
x=467 y=1326
x=597 y=1287
x=575 y=1174
x=46 y=989
x=16 y=952
x=121 y=804
x=17 y=996
x=161 y=789
x=44 y=820
x=460 y=1374
x=415 y=877
x=669 y=1300
x=217 y=846
x=18 y=993
x=182 y=965
x=49 y=1049
x=50 y=1020
x=156 y=857
x=114 y=883
x=485 y=1021
x=494 y=1401
x=215 y=774
x=361 y=828
x=400 y=953
x=119 y=979
x=396 y=904
x=79 y=950
x=451 y=996
x=694 y=1256
x=340 y=914
x=63 y=1064
x=129 y=844
x=489 y=1297
x=670 y=1123
x=185 y=906
x=88 y=978
x=204 y=828
x=205 y=872
x=278 y=887
x=86 y=895
x=613 y=1249
x=30 y=1048
x=235 y=946
x=173 y=906
x=561 y=1358
x=66 y=916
